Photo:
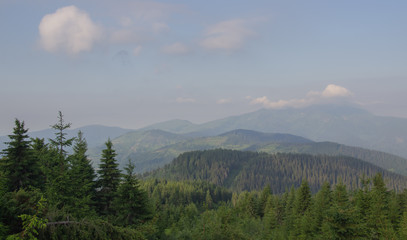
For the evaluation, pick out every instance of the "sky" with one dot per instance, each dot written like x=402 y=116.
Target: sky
x=131 y=63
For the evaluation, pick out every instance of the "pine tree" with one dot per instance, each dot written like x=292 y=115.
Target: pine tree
x=82 y=176
x=208 y=200
x=131 y=202
x=303 y=198
x=378 y=214
x=59 y=189
x=109 y=179
x=265 y=195
x=321 y=205
x=60 y=141
x=341 y=222
x=19 y=164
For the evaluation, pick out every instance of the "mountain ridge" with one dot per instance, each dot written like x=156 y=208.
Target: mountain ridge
x=239 y=171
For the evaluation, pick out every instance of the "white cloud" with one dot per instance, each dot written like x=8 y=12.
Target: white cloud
x=228 y=35
x=330 y=93
x=175 y=49
x=223 y=101
x=335 y=91
x=69 y=30
x=185 y=100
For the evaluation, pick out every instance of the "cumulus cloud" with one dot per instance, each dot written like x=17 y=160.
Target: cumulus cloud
x=185 y=100
x=335 y=91
x=69 y=30
x=330 y=93
x=175 y=49
x=228 y=35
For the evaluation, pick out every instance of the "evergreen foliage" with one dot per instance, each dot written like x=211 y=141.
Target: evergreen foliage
x=131 y=202
x=109 y=179
x=82 y=177
x=202 y=201
x=240 y=170
x=60 y=141
x=19 y=166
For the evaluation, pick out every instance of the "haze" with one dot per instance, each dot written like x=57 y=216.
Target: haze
x=134 y=63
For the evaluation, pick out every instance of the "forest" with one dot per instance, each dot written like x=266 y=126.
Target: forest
x=50 y=190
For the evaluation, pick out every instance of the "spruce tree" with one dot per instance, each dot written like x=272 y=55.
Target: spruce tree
x=19 y=165
x=82 y=176
x=59 y=187
x=378 y=214
x=303 y=198
x=61 y=141
x=131 y=202
x=341 y=221
x=109 y=179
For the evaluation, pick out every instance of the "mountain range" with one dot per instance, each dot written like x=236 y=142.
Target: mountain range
x=330 y=130
x=342 y=124
x=150 y=149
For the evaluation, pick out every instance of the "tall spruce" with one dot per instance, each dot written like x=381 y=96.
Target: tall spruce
x=109 y=179
x=19 y=165
x=131 y=202
x=61 y=141
x=59 y=190
x=82 y=176
x=341 y=221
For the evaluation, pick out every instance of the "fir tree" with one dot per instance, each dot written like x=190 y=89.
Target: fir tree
x=303 y=198
x=131 y=202
x=60 y=141
x=109 y=178
x=341 y=220
x=378 y=215
x=19 y=165
x=59 y=189
x=82 y=176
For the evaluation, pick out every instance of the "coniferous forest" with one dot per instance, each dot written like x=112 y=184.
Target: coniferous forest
x=50 y=190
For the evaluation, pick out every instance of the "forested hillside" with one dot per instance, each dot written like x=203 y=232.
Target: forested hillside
x=239 y=170
x=151 y=149
x=46 y=192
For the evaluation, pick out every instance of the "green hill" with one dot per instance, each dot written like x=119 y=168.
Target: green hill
x=238 y=170
x=152 y=149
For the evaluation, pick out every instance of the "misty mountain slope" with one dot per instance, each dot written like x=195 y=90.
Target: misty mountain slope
x=160 y=155
x=175 y=126
x=149 y=153
x=342 y=124
x=137 y=143
x=239 y=170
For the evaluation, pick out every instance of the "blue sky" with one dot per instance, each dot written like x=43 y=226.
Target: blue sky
x=132 y=63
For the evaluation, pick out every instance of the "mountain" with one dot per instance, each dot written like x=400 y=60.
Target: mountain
x=151 y=149
x=240 y=171
x=95 y=134
x=342 y=124
x=134 y=144
x=176 y=126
